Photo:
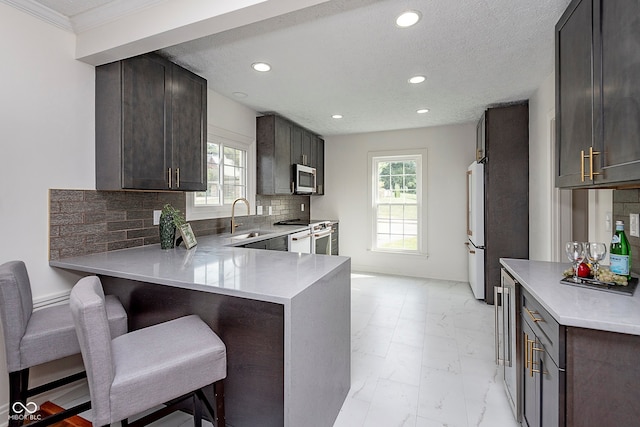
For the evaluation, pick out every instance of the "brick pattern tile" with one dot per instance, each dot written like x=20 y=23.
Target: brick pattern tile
x=83 y=222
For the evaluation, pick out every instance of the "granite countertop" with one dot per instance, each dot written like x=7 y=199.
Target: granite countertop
x=214 y=265
x=576 y=306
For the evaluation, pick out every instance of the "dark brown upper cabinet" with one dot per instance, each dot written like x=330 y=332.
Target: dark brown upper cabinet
x=281 y=144
x=598 y=95
x=151 y=121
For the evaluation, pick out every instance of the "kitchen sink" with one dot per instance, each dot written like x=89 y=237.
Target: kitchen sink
x=249 y=235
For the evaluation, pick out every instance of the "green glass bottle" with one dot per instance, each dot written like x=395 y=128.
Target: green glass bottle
x=620 y=252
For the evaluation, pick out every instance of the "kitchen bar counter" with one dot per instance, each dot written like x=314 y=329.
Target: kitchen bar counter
x=284 y=317
x=214 y=266
x=576 y=306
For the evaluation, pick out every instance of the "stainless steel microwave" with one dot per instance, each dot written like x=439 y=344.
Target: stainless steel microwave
x=304 y=179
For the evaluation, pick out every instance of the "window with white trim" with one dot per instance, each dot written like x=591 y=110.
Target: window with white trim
x=230 y=166
x=397 y=214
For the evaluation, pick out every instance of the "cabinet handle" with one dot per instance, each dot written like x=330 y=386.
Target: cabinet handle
x=528 y=356
x=532 y=315
x=590 y=157
x=591 y=154
x=497 y=298
x=169 y=175
x=178 y=177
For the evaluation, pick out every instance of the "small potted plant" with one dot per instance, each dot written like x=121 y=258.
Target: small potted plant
x=170 y=219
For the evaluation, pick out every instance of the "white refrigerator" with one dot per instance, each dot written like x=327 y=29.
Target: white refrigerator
x=475 y=227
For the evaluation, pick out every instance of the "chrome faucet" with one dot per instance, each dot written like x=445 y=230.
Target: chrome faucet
x=233 y=212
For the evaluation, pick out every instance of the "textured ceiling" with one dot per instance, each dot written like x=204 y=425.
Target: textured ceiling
x=348 y=57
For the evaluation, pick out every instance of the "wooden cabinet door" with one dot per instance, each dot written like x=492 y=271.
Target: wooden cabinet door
x=282 y=161
x=480 y=140
x=145 y=150
x=574 y=92
x=318 y=147
x=296 y=145
x=552 y=382
x=188 y=130
x=530 y=387
x=617 y=67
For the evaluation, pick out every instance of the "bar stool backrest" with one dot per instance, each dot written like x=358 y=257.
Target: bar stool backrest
x=16 y=306
x=89 y=312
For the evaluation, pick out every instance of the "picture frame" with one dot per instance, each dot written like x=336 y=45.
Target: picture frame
x=187 y=235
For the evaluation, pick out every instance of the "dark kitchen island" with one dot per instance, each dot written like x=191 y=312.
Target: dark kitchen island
x=284 y=317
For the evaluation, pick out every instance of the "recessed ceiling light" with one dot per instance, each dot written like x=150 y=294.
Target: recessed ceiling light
x=422 y=111
x=240 y=94
x=261 y=66
x=408 y=18
x=417 y=79
x=337 y=116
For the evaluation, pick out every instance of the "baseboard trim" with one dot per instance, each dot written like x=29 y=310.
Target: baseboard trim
x=51 y=299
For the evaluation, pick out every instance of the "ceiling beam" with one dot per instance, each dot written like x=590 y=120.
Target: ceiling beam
x=172 y=22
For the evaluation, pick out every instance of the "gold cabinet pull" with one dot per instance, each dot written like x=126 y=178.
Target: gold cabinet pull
x=532 y=315
x=589 y=156
x=169 y=175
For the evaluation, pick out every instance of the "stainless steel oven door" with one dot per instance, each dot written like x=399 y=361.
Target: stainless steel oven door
x=321 y=242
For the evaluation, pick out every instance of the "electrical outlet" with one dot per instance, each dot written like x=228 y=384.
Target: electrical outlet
x=633 y=225
x=156 y=217
x=302 y=207
x=259 y=210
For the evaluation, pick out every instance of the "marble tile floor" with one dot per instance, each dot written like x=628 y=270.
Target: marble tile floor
x=422 y=356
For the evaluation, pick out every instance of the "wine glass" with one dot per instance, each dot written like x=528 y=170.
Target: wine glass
x=575 y=253
x=595 y=253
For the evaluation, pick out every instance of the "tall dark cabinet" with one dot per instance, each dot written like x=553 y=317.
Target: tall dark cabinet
x=151 y=119
x=506 y=188
x=598 y=94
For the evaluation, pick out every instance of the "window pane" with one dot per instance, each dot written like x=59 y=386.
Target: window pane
x=227 y=175
x=212 y=195
x=396 y=204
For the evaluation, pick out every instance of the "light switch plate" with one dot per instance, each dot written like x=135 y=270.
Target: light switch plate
x=259 y=210
x=633 y=225
x=302 y=207
x=270 y=211
x=156 y=217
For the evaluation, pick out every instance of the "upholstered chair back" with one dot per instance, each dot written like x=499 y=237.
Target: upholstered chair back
x=16 y=306
x=87 y=302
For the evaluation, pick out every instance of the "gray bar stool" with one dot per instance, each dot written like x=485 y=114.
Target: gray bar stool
x=160 y=364
x=35 y=337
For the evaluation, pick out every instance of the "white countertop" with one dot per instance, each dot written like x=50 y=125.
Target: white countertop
x=576 y=306
x=213 y=266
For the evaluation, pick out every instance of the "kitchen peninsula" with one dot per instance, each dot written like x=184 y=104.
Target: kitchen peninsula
x=284 y=317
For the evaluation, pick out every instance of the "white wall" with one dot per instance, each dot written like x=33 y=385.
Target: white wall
x=47 y=136
x=541 y=170
x=450 y=150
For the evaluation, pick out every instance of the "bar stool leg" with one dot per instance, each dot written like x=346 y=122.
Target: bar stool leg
x=14 y=396
x=218 y=391
x=197 y=411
